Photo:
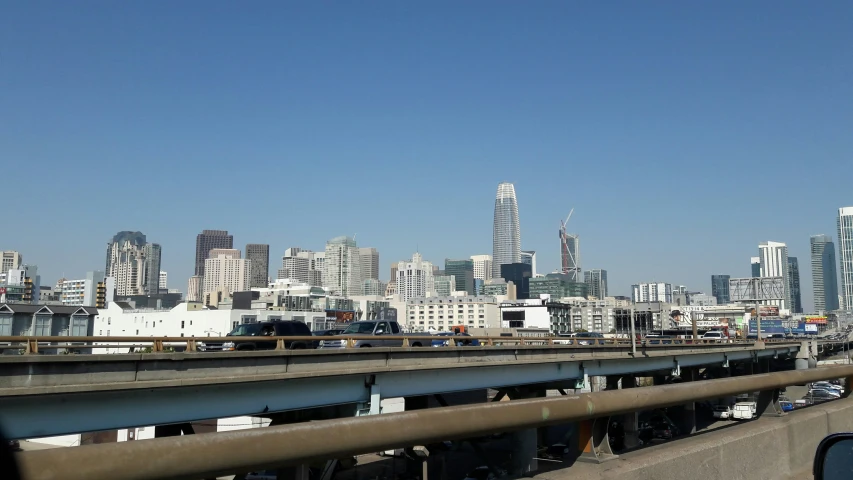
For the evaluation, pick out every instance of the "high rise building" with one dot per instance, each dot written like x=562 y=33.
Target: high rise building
x=369 y=262
x=414 y=278
x=794 y=285
x=651 y=292
x=206 y=241
x=773 y=257
x=343 y=267
x=463 y=273
x=519 y=274
x=570 y=255
x=824 y=276
x=444 y=285
x=93 y=291
x=259 y=254
x=482 y=267
x=845 y=255
x=596 y=281
x=10 y=260
x=134 y=264
x=225 y=270
x=528 y=257
x=374 y=287
x=164 y=281
x=506 y=237
x=720 y=288
x=755 y=267
x=195 y=289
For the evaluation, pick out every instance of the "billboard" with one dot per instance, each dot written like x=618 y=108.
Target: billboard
x=803 y=328
x=756 y=289
x=816 y=320
x=340 y=316
x=774 y=325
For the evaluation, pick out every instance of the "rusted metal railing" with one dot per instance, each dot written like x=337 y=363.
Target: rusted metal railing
x=214 y=454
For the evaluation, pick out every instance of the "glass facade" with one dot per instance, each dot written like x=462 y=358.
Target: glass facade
x=720 y=288
x=794 y=285
x=824 y=275
x=845 y=255
x=519 y=274
x=506 y=238
x=463 y=272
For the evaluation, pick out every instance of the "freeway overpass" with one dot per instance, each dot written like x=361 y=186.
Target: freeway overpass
x=48 y=395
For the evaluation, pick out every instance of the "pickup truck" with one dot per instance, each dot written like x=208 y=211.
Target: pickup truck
x=385 y=333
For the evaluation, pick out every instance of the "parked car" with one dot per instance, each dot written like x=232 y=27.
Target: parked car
x=786 y=405
x=658 y=426
x=257 y=332
x=722 y=412
x=744 y=411
x=385 y=333
x=470 y=342
x=829 y=386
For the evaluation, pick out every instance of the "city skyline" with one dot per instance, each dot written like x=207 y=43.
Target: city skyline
x=576 y=99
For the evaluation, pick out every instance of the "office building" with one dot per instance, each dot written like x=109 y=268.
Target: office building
x=720 y=288
x=794 y=285
x=845 y=255
x=374 y=287
x=443 y=313
x=482 y=266
x=393 y=273
x=343 y=267
x=498 y=287
x=369 y=262
x=134 y=263
x=195 y=289
x=570 y=255
x=259 y=254
x=651 y=292
x=93 y=291
x=206 y=241
x=303 y=266
x=596 y=281
x=226 y=271
x=557 y=286
x=10 y=260
x=824 y=276
x=445 y=285
x=415 y=278
x=463 y=272
x=506 y=236
x=164 y=281
x=755 y=266
x=528 y=257
x=773 y=257
x=519 y=274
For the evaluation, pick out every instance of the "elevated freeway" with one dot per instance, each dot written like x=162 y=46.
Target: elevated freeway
x=47 y=395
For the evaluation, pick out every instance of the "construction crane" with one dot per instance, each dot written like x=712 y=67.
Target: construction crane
x=570 y=251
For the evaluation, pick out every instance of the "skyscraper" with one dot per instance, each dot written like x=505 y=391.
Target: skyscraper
x=794 y=275
x=528 y=257
x=369 y=262
x=755 y=267
x=773 y=257
x=206 y=241
x=720 y=288
x=134 y=264
x=596 y=280
x=519 y=274
x=482 y=267
x=414 y=278
x=224 y=270
x=259 y=254
x=11 y=260
x=845 y=255
x=824 y=276
x=343 y=267
x=463 y=273
x=164 y=282
x=506 y=237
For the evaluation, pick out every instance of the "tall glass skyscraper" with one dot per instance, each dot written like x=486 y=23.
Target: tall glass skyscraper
x=506 y=238
x=720 y=288
x=824 y=276
x=845 y=254
x=794 y=285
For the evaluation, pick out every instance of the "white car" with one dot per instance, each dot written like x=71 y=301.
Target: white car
x=715 y=336
x=722 y=412
x=744 y=411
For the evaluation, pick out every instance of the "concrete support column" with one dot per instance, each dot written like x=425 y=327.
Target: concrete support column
x=630 y=421
x=687 y=422
x=524 y=443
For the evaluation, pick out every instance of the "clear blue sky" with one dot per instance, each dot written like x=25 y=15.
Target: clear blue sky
x=682 y=133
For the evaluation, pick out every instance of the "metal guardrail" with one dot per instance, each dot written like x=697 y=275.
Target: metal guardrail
x=31 y=345
x=213 y=454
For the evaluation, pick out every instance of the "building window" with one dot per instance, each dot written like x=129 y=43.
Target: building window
x=6 y=325
x=182 y=325
x=42 y=326
x=79 y=326
x=137 y=332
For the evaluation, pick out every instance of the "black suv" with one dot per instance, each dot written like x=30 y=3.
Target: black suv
x=285 y=328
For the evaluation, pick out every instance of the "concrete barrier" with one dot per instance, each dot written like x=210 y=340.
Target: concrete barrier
x=768 y=448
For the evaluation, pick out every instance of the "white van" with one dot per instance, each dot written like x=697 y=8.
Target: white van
x=744 y=411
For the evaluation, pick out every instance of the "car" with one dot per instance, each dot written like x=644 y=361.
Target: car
x=658 y=426
x=326 y=333
x=654 y=339
x=828 y=386
x=744 y=411
x=588 y=338
x=256 y=333
x=714 y=336
x=786 y=405
x=723 y=412
x=824 y=393
x=469 y=342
